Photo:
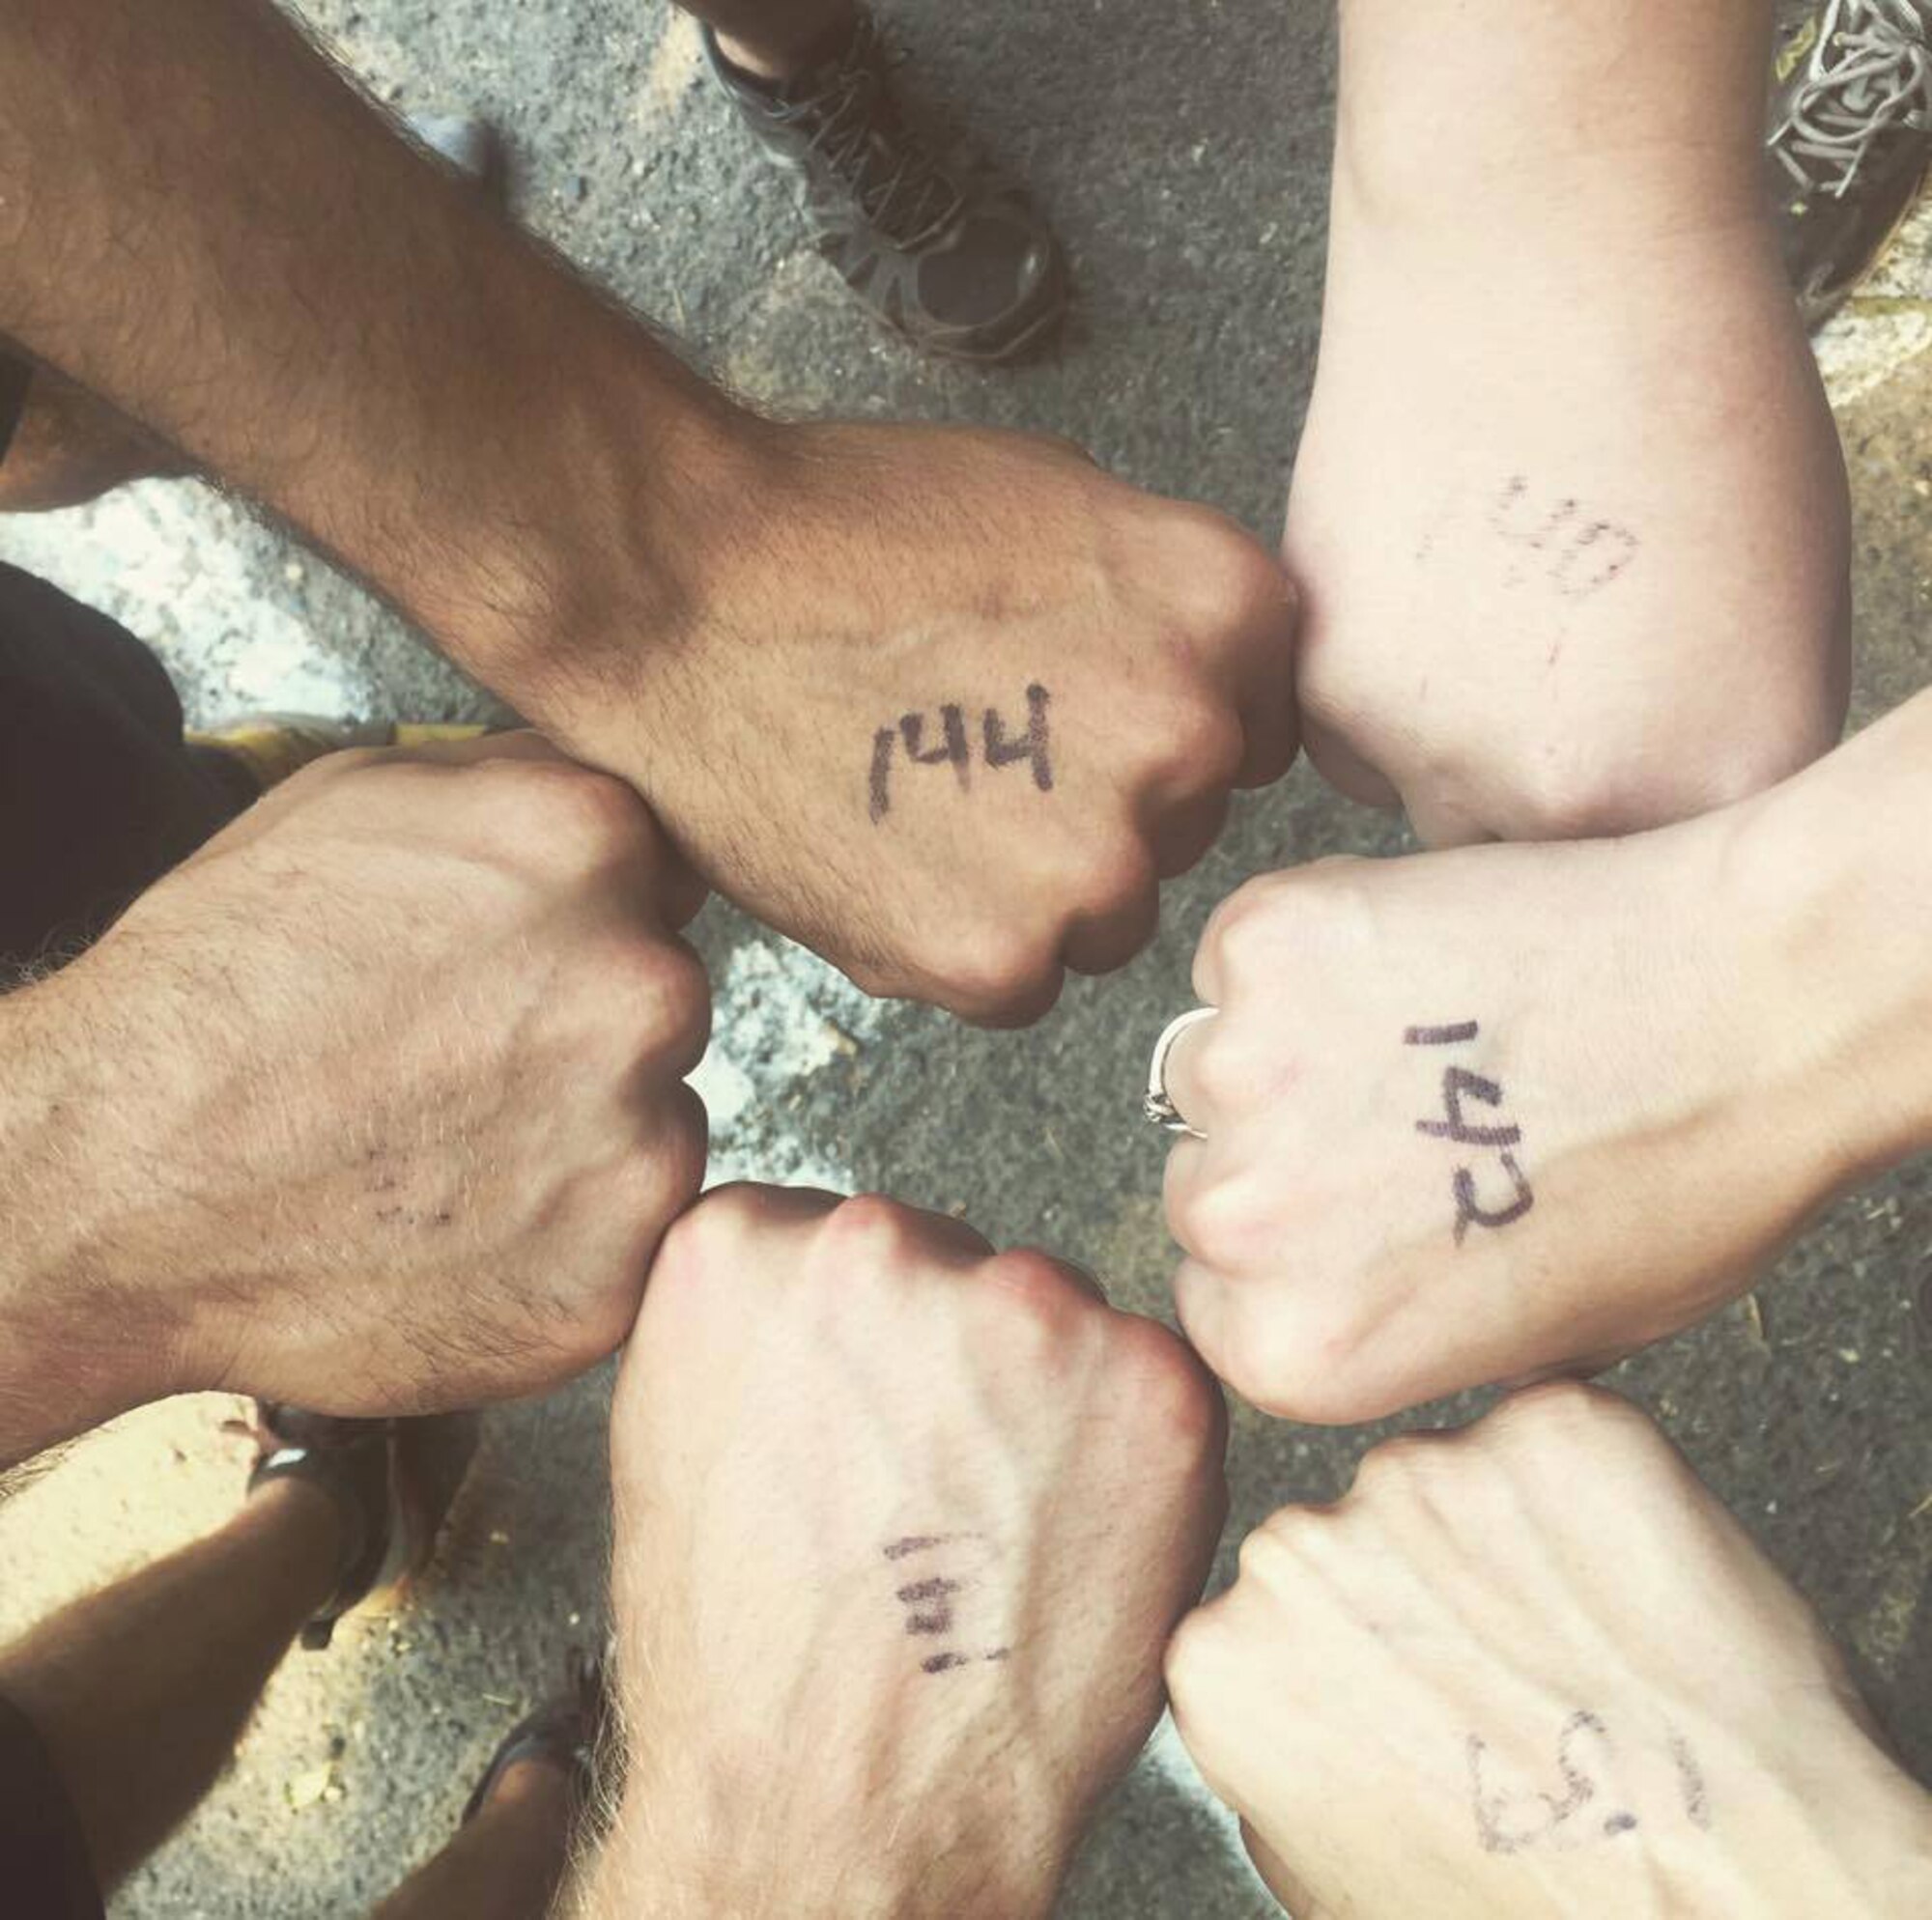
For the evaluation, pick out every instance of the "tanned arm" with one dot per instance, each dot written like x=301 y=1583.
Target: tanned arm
x=211 y=227
x=203 y=221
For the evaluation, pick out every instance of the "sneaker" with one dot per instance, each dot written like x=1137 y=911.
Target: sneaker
x=1851 y=133
x=958 y=264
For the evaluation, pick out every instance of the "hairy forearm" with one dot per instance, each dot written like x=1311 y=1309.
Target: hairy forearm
x=78 y=1344
x=691 y=1838
x=1442 y=98
x=205 y=222
x=634 y=1879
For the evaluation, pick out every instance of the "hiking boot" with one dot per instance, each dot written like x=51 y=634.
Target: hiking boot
x=958 y=263
x=1851 y=134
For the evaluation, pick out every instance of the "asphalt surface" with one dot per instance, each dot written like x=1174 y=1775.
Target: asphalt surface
x=1182 y=151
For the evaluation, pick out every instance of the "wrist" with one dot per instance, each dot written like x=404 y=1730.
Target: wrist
x=1845 y=1831
x=834 y=1847
x=1608 y=124
x=623 y=495
x=1831 y=871
x=85 y=1337
x=651 y=1879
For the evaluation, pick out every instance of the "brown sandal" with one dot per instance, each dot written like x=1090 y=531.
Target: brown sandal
x=565 y=1732
x=393 y=1481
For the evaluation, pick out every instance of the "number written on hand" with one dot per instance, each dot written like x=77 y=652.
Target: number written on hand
x=951 y=745
x=1591 y=1801
x=1463 y=1091
x=938 y=1584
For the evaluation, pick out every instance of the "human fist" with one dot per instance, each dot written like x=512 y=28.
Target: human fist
x=383 y=1088
x=1568 y=516
x=1531 y=1670
x=952 y=707
x=1474 y=1116
x=904 y=1525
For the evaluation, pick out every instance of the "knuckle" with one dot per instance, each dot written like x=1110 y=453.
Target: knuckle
x=1274 y=1554
x=1118 y=874
x=1034 y=1278
x=1039 y=1310
x=1001 y=974
x=1563 y=790
x=1209 y=736
x=1203 y=745
x=1199 y=1651
x=1397 y=1467
x=718 y=1228
x=594 y=816
x=873 y=1232
x=672 y=1000
x=1304 y=1361
x=687 y=1147
x=1558 y=1420
x=600 y=1325
x=1220 y=1065
x=1169 y=1383
x=1237 y=582
x=660 y=1181
x=1243 y=935
x=1226 y=1223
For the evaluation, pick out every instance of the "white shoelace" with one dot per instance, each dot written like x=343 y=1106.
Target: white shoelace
x=1871 y=74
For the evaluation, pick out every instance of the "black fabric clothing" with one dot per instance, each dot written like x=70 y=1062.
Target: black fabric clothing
x=44 y=1872
x=16 y=376
x=98 y=796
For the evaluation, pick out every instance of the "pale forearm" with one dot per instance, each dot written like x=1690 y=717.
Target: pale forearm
x=1442 y=99
x=206 y=224
x=1832 y=872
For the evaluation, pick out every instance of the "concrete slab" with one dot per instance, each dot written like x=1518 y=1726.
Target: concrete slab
x=1182 y=151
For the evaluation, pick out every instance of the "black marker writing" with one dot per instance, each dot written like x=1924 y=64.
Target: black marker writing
x=935 y=1597
x=1579 y=553
x=951 y=753
x=1509 y=1822
x=998 y=748
x=1462 y=1089
x=882 y=772
x=1457 y=1085
x=1031 y=746
x=1441 y=1036
x=942 y=1663
x=915 y=1544
x=1470 y=1213
x=1690 y=1782
x=1589 y=1805
x=932 y=1603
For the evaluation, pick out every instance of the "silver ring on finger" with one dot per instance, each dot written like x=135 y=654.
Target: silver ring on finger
x=1158 y=1103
